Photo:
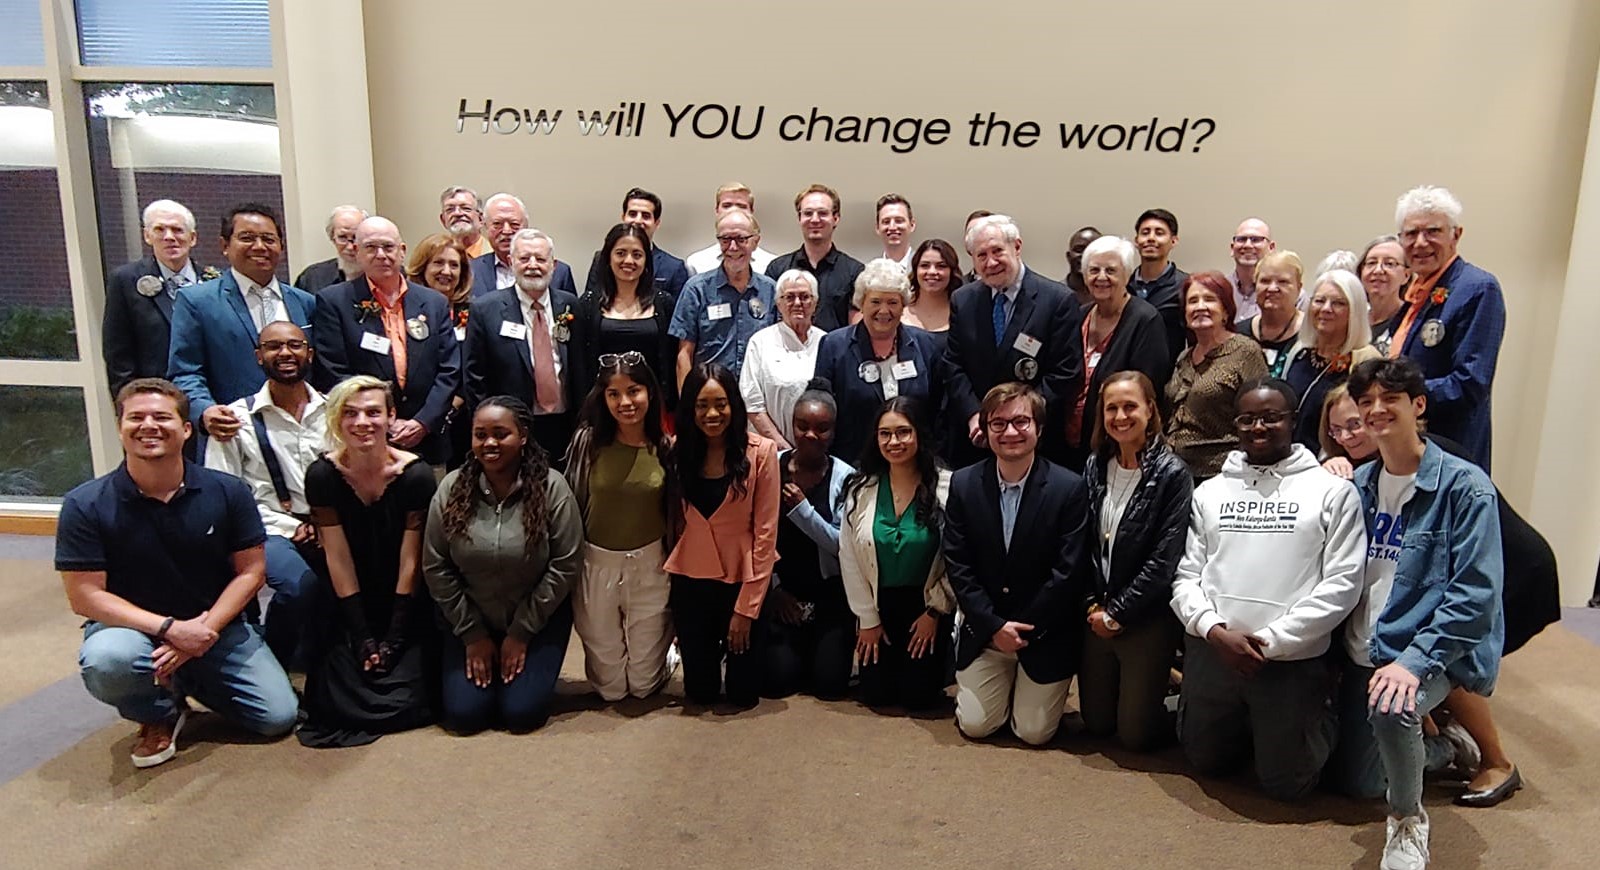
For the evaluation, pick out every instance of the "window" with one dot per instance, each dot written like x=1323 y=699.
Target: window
x=21 y=34
x=35 y=290
x=208 y=146
x=195 y=33
x=44 y=443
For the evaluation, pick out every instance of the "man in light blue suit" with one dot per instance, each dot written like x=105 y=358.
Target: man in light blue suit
x=215 y=324
x=504 y=216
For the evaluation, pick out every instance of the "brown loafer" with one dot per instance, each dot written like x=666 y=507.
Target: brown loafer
x=158 y=741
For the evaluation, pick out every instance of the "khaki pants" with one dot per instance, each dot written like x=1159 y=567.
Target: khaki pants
x=994 y=688
x=620 y=612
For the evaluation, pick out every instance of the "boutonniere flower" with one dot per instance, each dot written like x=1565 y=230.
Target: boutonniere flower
x=210 y=273
x=366 y=307
x=1340 y=363
x=1440 y=294
x=461 y=318
x=562 y=330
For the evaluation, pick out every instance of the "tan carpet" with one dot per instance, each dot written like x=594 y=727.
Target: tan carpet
x=796 y=783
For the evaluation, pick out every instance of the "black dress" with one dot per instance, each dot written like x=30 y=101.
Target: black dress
x=1312 y=378
x=342 y=705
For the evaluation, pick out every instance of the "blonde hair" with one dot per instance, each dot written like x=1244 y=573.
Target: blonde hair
x=1285 y=260
x=341 y=394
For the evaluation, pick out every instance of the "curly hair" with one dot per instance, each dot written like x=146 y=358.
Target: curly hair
x=532 y=472
x=872 y=467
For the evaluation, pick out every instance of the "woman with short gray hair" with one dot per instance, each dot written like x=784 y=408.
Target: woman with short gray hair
x=780 y=359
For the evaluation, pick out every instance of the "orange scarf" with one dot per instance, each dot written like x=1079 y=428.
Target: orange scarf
x=1417 y=294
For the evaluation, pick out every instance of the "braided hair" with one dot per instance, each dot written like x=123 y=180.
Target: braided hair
x=532 y=471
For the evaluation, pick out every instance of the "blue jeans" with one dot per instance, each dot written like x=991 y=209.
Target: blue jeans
x=1402 y=748
x=238 y=678
x=520 y=705
x=1356 y=768
x=292 y=582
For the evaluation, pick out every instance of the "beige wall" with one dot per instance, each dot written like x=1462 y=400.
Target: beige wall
x=1320 y=121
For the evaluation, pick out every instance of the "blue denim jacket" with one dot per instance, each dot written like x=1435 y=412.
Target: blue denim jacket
x=1444 y=611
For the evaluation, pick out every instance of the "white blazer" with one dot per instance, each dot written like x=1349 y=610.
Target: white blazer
x=858 y=557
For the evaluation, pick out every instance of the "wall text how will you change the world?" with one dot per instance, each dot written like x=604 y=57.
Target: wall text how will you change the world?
x=714 y=121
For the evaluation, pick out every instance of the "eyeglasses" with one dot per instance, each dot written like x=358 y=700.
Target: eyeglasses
x=725 y=241
x=1390 y=265
x=1431 y=234
x=998 y=425
x=902 y=433
x=344 y=238
x=275 y=345
x=1250 y=240
x=1266 y=418
x=627 y=358
x=1339 y=433
x=794 y=298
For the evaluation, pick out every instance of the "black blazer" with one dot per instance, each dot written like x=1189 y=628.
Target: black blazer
x=137 y=329
x=433 y=362
x=1150 y=537
x=483 y=278
x=1045 y=311
x=319 y=275
x=1034 y=581
x=839 y=359
x=1139 y=344
x=584 y=347
x=502 y=366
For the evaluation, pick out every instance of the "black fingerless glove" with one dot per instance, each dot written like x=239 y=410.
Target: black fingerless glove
x=355 y=622
x=394 y=643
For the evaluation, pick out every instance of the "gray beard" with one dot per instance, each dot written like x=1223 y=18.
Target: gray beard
x=350 y=268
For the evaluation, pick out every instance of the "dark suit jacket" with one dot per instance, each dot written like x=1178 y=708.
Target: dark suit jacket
x=1139 y=344
x=839 y=359
x=498 y=365
x=483 y=277
x=584 y=346
x=1044 y=310
x=213 y=351
x=319 y=275
x=137 y=329
x=669 y=272
x=1035 y=581
x=433 y=363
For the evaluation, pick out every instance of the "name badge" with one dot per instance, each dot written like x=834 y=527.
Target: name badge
x=518 y=331
x=904 y=371
x=720 y=311
x=1094 y=360
x=1028 y=344
x=375 y=343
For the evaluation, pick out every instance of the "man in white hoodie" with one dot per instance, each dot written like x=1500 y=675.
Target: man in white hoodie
x=1272 y=566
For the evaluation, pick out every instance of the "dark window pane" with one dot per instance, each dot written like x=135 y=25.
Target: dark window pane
x=21 y=35
x=207 y=146
x=175 y=33
x=44 y=442
x=35 y=291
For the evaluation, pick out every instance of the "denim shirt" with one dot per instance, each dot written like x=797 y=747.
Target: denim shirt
x=1444 y=612
x=724 y=339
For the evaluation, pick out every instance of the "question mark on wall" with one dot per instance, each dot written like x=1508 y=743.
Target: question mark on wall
x=1211 y=127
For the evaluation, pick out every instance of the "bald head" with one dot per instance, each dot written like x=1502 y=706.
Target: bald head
x=380 y=251
x=1251 y=241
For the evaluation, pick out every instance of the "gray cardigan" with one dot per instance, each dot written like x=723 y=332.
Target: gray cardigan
x=485 y=581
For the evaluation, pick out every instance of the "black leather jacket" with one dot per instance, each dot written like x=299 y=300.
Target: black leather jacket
x=1150 y=538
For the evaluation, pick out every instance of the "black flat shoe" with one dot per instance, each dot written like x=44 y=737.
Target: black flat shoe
x=1492 y=796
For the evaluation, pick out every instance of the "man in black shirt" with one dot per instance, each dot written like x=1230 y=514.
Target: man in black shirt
x=161 y=557
x=1159 y=281
x=817 y=208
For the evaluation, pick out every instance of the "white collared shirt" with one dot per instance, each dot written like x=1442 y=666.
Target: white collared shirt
x=777 y=367
x=296 y=443
x=905 y=262
x=1011 y=499
x=265 y=303
x=187 y=272
x=504 y=276
x=527 y=304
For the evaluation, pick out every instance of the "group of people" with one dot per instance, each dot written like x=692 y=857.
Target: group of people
x=803 y=472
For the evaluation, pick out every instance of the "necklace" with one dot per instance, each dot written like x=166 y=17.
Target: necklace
x=1282 y=333
x=1112 y=516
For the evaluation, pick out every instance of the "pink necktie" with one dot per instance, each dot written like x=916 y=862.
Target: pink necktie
x=546 y=388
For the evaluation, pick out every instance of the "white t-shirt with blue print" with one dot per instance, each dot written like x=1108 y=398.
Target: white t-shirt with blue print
x=1383 y=557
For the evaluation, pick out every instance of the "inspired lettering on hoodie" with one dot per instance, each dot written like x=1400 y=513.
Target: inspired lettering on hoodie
x=1258 y=516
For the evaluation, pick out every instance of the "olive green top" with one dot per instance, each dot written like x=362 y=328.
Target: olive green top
x=625 y=510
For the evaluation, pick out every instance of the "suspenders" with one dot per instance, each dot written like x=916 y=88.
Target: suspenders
x=280 y=484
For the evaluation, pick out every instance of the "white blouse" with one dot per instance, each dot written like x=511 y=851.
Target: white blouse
x=777 y=366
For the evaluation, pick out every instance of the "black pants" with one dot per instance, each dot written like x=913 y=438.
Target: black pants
x=702 y=609
x=814 y=656
x=897 y=678
x=553 y=432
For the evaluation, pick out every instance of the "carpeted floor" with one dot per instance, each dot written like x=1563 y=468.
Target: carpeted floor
x=795 y=783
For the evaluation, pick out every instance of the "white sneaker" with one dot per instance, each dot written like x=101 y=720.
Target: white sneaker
x=158 y=743
x=1468 y=757
x=1407 y=845
x=674 y=658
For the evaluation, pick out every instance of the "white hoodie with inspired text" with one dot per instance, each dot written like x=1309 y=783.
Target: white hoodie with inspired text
x=1275 y=551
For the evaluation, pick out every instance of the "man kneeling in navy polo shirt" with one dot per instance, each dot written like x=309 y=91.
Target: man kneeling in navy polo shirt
x=160 y=557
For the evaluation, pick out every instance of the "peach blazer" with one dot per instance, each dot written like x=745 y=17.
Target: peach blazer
x=738 y=543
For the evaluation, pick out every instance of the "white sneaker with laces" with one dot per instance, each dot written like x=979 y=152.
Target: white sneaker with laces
x=1407 y=845
x=673 y=659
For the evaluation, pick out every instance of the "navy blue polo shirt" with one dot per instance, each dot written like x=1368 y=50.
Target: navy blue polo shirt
x=172 y=558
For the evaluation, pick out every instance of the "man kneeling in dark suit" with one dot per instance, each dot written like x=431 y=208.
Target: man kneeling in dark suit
x=1013 y=539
